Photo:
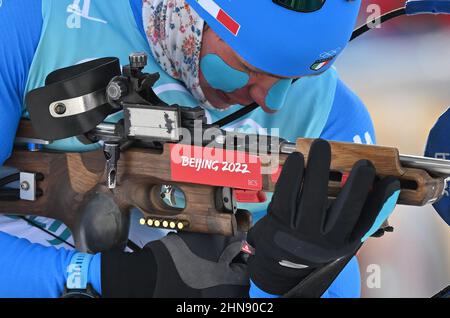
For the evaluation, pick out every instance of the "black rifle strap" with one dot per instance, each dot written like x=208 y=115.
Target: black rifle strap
x=384 y=18
x=445 y=293
x=36 y=225
x=236 y=115
x=314 y=285
x=320 y=280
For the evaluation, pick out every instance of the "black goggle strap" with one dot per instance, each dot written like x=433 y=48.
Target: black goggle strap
x=412 y=7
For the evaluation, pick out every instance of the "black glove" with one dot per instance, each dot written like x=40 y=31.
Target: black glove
x=184 y=265
x=304 y=229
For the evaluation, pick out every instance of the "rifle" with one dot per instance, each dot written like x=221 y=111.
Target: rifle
x=148 y=160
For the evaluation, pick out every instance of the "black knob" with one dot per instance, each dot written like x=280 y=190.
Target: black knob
x=138 y=59
x=116 y=89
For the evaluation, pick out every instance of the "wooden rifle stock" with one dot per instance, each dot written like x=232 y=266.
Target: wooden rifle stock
x=70 y=179
x=418 y=187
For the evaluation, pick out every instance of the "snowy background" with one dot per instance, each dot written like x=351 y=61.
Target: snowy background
x=402 y=73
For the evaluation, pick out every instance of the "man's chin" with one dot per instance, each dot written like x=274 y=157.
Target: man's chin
x=267 y=109
x=221 y=106
x=216 y=108
x=218 y=104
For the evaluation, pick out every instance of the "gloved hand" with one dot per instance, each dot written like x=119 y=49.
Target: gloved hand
x=304 y=230
x=183 y=265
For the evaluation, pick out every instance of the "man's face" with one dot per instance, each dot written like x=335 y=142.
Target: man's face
x=256 y=86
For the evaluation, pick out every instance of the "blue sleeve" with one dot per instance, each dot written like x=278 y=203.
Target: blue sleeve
x=136 y=6
x=255 y=292
x=346 y=285
x=349 y=120
x=20 y=29
x=33 y=270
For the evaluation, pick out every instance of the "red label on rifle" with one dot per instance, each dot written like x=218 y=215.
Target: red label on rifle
x=215 y=166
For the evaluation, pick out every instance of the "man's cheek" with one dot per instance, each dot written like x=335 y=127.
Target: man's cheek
x=219 y=75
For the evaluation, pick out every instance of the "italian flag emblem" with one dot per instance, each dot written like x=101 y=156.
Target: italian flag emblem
x=320 y=64
x=213 y=9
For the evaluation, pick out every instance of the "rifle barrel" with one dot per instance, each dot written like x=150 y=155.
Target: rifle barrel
x=440 y=167
x=435 y=166
x=287 y=147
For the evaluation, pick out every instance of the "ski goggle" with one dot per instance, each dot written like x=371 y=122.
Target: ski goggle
x=301 y=5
